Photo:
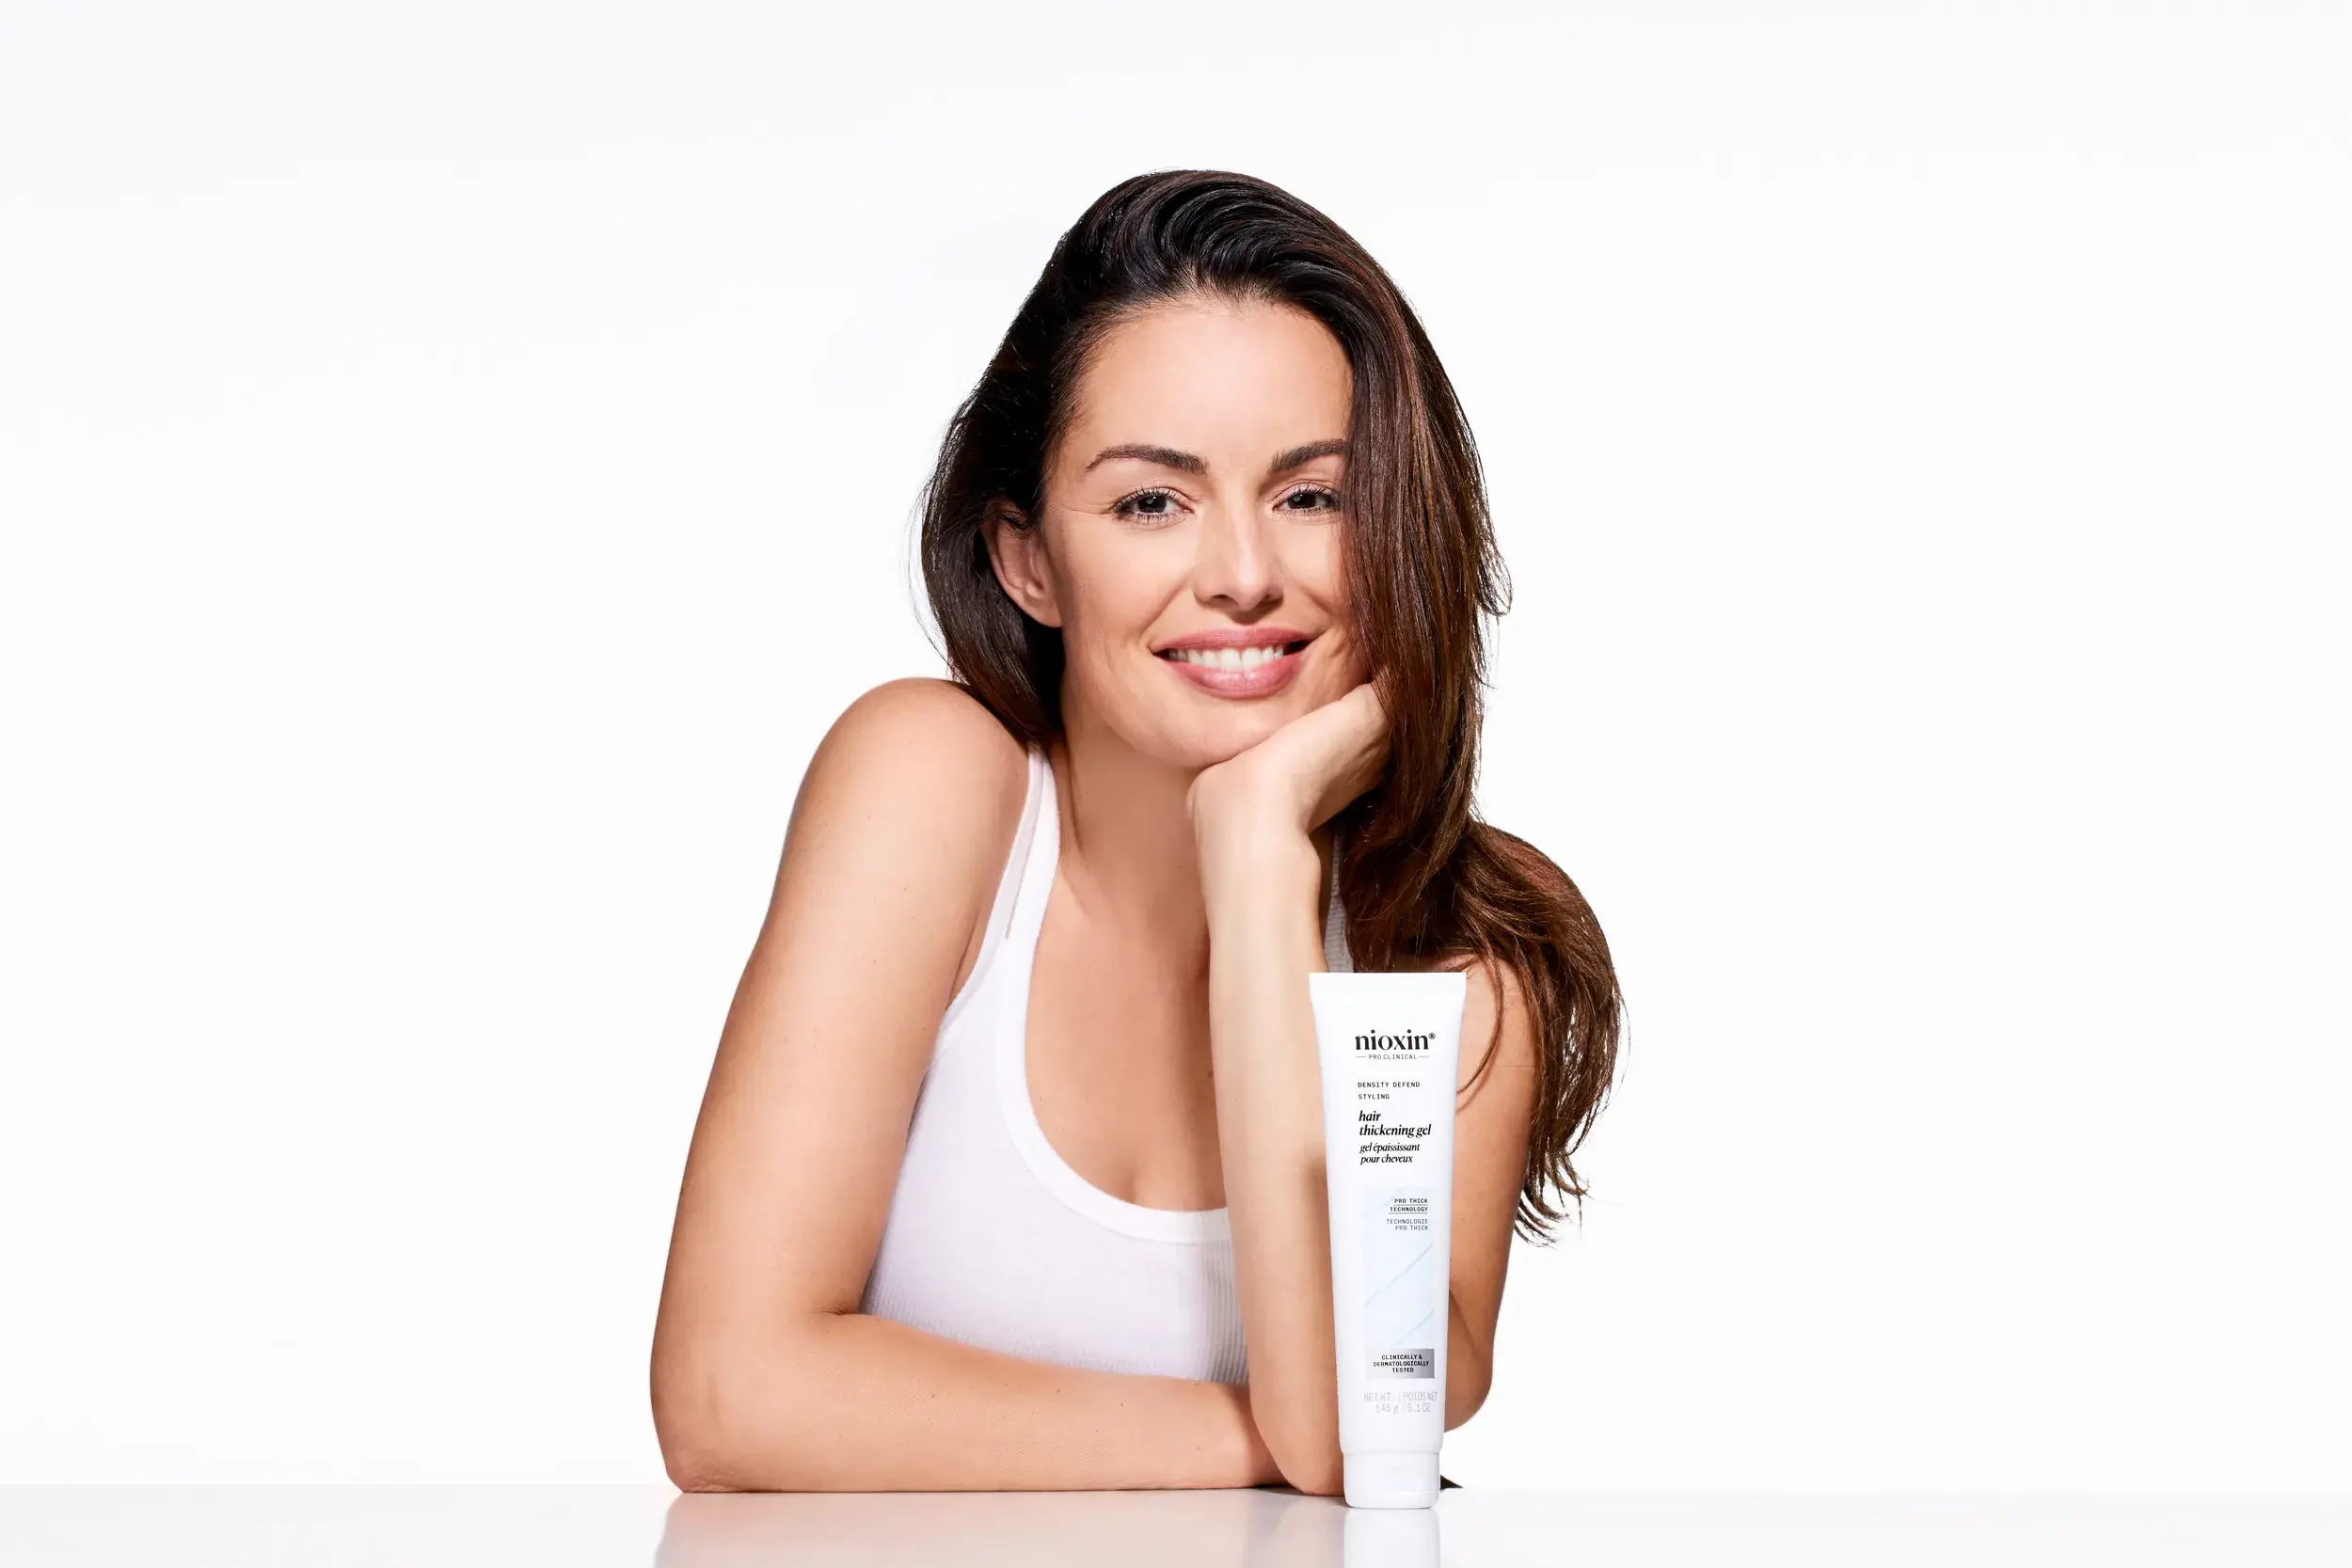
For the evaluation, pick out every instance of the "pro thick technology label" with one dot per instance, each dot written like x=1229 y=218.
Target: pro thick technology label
x=1402 y=1290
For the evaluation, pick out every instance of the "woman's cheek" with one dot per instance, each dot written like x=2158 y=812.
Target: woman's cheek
x=1350 y=667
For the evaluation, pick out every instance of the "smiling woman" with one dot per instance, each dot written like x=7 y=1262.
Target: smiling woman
x=1009 y=1171
x=1220 y=557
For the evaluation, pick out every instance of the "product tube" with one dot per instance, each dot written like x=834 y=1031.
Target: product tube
x=1389 y=1045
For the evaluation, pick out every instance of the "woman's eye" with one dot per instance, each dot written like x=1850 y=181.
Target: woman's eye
x=1147 y=503
x=1314 y=498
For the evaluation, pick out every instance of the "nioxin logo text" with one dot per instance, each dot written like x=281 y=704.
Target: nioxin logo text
x=1394 y=1042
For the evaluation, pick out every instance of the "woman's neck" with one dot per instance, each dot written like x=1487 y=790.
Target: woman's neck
x=1129 y=854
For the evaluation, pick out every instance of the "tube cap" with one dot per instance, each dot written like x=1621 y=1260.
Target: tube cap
x=1390 y=1479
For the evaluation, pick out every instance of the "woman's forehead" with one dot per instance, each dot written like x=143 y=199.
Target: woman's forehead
x=1219 y=377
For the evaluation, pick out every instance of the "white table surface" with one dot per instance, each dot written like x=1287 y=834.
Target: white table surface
x=589 y=1527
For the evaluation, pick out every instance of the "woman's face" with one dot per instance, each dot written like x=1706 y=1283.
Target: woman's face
x=1192 y=547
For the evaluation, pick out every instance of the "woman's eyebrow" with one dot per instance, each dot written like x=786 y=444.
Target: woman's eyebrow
x=1167 y=457
x=1185 y=462
x=1297 y=456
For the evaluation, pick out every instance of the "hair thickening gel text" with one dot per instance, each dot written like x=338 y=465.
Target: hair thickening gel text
x=1389 y=1045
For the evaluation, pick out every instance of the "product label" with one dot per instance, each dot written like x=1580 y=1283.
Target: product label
x=1380 y=1141
x=1402 y=1288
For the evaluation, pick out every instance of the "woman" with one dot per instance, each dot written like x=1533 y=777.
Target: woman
x=1010 y=1171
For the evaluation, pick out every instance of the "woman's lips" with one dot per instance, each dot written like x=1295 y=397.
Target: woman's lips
x=1260 y=670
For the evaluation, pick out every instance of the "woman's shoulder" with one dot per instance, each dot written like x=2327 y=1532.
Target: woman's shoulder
x=921 y=774
x=928 y=731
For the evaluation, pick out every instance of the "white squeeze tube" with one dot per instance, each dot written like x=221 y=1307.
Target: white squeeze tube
x=1389 y=1044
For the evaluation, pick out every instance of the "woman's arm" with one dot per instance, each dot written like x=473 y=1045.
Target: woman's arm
x=764 y=1375
x=1253 y=818
x=1260 y=878
x=843 y=1401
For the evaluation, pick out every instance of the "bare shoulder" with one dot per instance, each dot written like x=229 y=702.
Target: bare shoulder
x=923 y=762
x=907 y=810
x=923 y=727
x=1496 y=1019
x=1497 y=1027
x=1495 y=1015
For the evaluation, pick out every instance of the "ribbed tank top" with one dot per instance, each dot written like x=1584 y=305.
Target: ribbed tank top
x=992 y=1238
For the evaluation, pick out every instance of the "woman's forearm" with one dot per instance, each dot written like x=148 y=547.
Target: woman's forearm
x=1262 y=887
x=853 y=1403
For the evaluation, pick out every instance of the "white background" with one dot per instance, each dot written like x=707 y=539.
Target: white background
x=456 y=461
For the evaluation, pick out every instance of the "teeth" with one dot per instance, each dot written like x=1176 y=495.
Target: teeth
x=1232 y=659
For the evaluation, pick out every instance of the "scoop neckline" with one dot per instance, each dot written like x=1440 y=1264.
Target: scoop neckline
x=1193 y=1226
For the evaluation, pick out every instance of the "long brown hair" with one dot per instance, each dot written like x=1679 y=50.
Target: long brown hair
x=1421 y=878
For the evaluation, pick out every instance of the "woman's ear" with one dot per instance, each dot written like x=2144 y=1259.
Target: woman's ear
x=1016 y=547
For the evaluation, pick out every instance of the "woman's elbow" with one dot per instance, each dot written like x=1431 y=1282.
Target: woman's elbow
x=707 y=1452
x=1467 y=1381
x=701 y=1432
x=688 y=1426
x=1309 y=1459
x=1319 y=1475
x=694 y=1469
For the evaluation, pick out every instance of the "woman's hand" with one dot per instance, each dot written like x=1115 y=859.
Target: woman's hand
x=1294 y=780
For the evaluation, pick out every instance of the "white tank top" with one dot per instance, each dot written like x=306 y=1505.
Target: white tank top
x=992 y=1238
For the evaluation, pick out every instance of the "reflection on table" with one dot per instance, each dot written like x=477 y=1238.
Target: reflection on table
x=1243 y=1528
x=630 y=1526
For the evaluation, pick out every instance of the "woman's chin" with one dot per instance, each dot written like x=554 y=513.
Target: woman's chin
x=1231 y=736
x=1194 y=736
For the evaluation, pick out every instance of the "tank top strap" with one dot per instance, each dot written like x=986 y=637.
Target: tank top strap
x=1005 y=909
x=1035 y=851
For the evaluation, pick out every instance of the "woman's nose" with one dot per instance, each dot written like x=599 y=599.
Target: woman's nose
x=1238 y=569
